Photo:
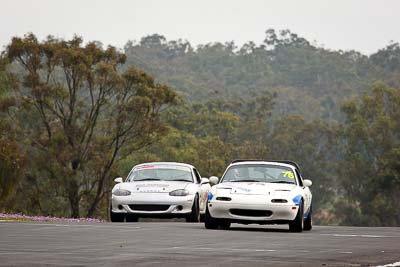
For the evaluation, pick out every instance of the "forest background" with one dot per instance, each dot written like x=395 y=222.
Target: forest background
x=74 y=115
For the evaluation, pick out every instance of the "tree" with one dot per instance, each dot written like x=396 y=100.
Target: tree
x=285 y=38
x=370 y=171
x=154 y=40
x=81 y=114
x=314 y=145
x=11 y=155
x=388 y=58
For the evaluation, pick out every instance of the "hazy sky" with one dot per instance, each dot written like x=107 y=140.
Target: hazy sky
x=363 y=25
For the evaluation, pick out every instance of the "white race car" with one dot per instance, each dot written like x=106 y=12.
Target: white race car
x=261 y=192
x=160 y=190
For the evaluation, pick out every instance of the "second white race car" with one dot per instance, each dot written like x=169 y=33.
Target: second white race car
x=261 y=192
x=160 y=190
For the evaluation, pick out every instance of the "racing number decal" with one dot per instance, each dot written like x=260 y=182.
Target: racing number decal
x=288 y=174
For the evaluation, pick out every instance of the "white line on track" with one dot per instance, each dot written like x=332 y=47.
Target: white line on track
x=344 y=235
x=257 y=250
x=187 y=249
x=232 y=249
x=395 y=264
x=48 y=251
x=12 y=253
x=248 y=249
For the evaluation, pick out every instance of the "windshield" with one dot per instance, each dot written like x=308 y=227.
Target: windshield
x=259 y=173
x=160 y=173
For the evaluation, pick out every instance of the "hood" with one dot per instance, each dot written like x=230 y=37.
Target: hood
x=154 y=186
x=253 y=188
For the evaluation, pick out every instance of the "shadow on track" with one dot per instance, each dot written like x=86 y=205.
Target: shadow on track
x=257 y=229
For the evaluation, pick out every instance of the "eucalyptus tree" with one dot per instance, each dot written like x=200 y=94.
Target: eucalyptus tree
x=80 y=114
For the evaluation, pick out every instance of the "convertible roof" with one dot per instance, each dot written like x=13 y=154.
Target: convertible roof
x=290 y=162
x=164 y=163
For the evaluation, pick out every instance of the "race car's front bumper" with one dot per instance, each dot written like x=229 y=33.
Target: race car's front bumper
x=253 y=212
x=158 y=205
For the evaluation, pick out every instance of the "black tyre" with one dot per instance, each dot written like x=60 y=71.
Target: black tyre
x=131 y=218
x=224 y=224
x=308 y=221
x=298 y=223
x=195 y=214
x=210 y=222
x=116 y=217
x=202 y=217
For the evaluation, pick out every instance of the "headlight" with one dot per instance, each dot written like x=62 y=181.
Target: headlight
x=121 y=192
x=179 y=193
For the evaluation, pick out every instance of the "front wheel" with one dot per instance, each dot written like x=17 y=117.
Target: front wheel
x=297 y=224
x=194 y=216
x=308 y=221
x=210 y=222
x=116 y=217
x=131 y=218
x=225 y=225
x=202 y=217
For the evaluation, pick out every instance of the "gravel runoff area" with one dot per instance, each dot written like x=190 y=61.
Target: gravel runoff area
x=27 y=218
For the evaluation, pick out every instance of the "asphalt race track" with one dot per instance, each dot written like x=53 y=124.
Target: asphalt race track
x=189 y=244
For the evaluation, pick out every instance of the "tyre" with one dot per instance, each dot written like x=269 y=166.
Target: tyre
x=202 y=217
x=194 y=216
x=224 y=224
x=297 y=224
x=116 y=217
x=308 y=221
x=210 y=222
x=131 y=218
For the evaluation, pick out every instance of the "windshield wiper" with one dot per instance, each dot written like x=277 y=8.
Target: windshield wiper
x=244 y=180
x=183 y=180
x=282 y=182
x=148 y=179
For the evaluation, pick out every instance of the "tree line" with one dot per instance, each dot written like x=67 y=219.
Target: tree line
x=74 y=116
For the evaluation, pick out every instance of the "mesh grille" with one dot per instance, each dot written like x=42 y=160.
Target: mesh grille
x=146 y=207
x=251 y=213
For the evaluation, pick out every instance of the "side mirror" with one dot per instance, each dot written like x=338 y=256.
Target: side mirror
x=307 y=183
x=118 y=180
x=214 y=180
x=204 y=181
